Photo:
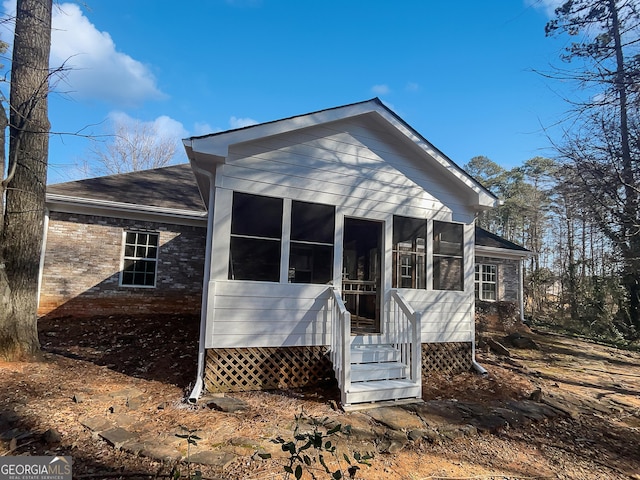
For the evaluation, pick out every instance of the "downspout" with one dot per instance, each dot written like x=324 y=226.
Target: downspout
x=42 y=253
x=474 y=363
x=199 y=385
x=521 y=288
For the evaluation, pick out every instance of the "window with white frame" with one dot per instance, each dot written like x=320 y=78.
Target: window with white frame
x=486 y=282
x=256 y=236
x=140 y=260
x=448 y=256
x=409 y=252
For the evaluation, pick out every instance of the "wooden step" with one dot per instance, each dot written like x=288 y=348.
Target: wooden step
x=374 y=353
x=366 y=372
x=382 y=390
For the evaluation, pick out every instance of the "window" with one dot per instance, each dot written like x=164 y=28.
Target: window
x=311 y=251
x=409 y=252
x=256 y=233
x=447 y=256
x=486 y=282
x=140 y=259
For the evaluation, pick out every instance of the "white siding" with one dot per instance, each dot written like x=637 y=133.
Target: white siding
x=362 y=171
x=261 y=314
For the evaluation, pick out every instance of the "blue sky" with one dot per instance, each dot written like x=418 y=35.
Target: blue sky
x=461 y=73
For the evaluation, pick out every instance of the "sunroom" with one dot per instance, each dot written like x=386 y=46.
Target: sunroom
x=340 y=243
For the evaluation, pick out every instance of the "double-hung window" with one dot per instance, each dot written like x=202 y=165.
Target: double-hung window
x=448 y=256
x=409 y=252
x=311 y=247
x=140 y=260
x=256 y=237
x=486 y=282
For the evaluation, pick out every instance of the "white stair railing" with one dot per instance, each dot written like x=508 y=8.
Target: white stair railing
x=341 y=343
x=405 y=328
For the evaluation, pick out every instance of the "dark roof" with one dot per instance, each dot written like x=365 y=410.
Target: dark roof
x=485 y=238
x=165 y=187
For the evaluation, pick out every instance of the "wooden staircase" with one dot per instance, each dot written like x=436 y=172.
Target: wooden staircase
x=378 y=374
x=368 y=373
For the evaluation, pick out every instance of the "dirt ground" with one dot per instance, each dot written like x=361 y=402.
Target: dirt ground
x=598 y=387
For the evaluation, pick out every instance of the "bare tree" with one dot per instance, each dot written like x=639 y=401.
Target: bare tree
x=603 y=143
x=24 y=185
x=133 y=146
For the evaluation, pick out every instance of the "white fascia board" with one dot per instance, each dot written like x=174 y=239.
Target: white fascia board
x=217 y=145
x=105 y=208
x=503 y=253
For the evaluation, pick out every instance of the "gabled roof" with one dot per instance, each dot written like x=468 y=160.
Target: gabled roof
x=490 y=243
x=214 y=148
x=172 y=187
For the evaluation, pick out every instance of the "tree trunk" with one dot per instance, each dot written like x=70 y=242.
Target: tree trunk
x=21 y=240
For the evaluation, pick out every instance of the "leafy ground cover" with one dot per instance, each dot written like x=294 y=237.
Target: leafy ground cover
x=87 y=360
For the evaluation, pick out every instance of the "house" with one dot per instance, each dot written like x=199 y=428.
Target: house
x=339 y=242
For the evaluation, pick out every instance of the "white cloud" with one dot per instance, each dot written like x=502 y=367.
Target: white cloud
x=203 y=128
x=381 y=89
x=236 y=122
x=96 y=69
x=549 y=6
x=163 y=126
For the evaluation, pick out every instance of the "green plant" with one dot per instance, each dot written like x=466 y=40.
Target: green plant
x=191 y=438
x=307 y=450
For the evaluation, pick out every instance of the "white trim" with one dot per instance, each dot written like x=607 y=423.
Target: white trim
x=125 y=231
x=483 y=251
x=206 y=277
x=285 y=236
x=42 y=253
x=521 y=288
x=481 y=282
x=106 y=208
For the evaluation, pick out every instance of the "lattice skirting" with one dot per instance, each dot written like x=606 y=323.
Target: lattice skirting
x=265 y=368
x=450 y=358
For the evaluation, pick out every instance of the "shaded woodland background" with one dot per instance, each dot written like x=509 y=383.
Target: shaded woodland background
x=574 y=281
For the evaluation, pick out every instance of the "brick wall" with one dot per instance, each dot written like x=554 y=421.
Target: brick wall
x=81 y=272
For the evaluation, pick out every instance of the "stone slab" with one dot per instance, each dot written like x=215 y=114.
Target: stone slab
x=123 y=420
x=160 y=452
x=117 y=436
x=439 y=412
x=227 y=404
x=395 y=418
x=96 y=424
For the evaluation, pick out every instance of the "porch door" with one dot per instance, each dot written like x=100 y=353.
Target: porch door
x=361 y=267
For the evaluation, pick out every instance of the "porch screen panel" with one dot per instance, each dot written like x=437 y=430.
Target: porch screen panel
x=448 y=256
x=256 y=235
x=409 y=252
x=311 y=252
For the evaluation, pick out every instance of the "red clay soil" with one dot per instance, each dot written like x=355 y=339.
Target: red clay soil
x=599 y=437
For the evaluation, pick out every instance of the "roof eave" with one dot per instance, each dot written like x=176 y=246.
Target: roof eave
x=504 y=252
x=70 y=204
